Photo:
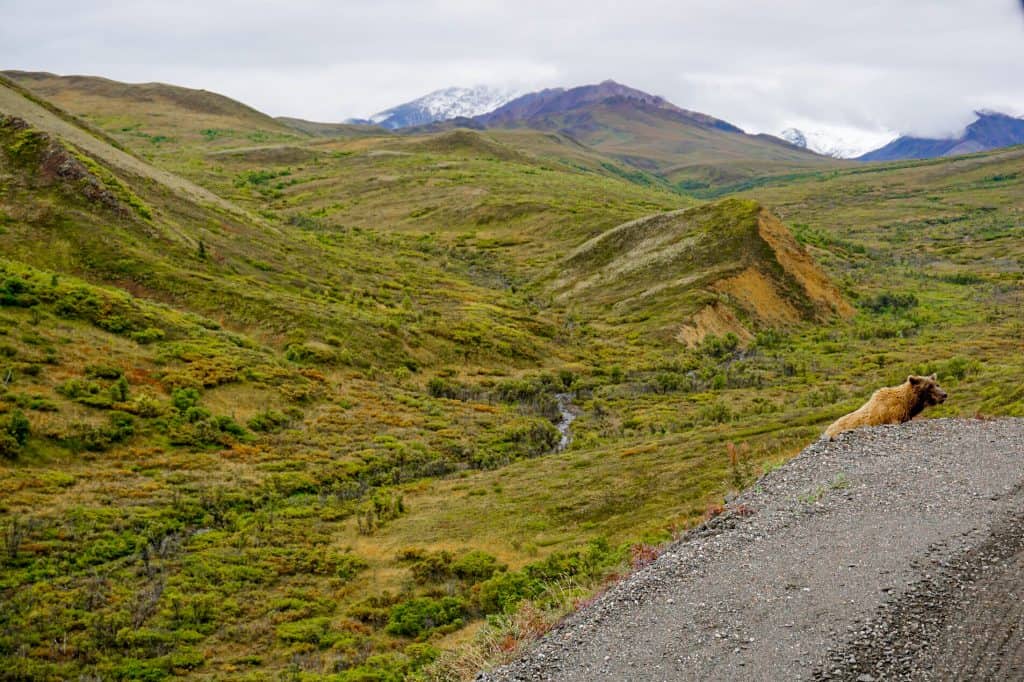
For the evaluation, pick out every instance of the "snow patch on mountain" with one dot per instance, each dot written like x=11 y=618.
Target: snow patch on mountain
x=840 y=142
x=442 y=105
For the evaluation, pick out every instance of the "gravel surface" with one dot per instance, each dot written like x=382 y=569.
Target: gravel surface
x=890 y=553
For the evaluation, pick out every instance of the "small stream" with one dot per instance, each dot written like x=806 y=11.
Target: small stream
x=568 y=412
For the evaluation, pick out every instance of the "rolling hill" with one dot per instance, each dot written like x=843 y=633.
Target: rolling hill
x=170 y=106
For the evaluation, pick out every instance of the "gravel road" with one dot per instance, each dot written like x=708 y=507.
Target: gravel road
x=890 y=553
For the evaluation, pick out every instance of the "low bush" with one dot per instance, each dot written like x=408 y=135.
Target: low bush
x=103 y=372
x=268 y=422
x=147 y=335
x=889 y=302
x=423 y=615
x=503 y=592
x=476 y=566
x=15 y=292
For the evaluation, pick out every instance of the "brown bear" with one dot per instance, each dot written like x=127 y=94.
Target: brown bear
x=892 y=405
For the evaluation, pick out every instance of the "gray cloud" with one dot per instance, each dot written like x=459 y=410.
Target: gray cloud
x=916 y=66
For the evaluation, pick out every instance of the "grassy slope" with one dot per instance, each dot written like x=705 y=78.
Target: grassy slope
x=150 y=116
x=263 y=545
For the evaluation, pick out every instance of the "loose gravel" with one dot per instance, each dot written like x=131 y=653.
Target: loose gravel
x=890 y=553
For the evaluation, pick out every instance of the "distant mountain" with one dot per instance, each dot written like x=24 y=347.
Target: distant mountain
x=441 y=105
x=691 y=150
x=838 y=145
x=991 y=130
x=536 y=105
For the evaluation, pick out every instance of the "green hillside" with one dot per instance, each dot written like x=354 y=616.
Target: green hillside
x=285 y=407
x=155 y=117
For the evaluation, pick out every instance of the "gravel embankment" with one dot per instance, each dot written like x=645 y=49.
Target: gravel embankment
x=890 y=553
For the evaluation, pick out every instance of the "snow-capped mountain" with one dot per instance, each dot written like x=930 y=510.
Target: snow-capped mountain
x=442 y=105
x=839 y=143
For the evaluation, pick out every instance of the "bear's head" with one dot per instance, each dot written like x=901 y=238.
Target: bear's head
x=927 y=390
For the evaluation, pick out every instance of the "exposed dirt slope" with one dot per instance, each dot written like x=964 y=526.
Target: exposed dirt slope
x=815 y=570
x=729 y=266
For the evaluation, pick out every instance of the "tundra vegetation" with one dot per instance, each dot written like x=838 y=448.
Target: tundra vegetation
x=310 y=434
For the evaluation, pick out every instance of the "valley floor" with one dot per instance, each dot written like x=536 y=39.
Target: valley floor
x=849 y=562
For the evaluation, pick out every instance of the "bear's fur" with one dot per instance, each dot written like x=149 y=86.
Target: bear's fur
x=892 y=405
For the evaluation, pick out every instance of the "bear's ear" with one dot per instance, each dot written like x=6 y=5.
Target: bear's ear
x=913 y=380
x=934 y=376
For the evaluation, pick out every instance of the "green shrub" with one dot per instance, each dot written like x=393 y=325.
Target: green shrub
x=719 y=347
x=91 y=393
x=14 y=431
x=312 y=352
x=419 y=616
x=310 y=630
x=120 y=427
x=147 y=335
x=15 y=292
x=268 y=422
x=348 y=566
x=588 y=562
x=103 y=372
x=143 y=405
x=372 y=610
x=432 y=568
x=666 y=382
x=17 y=427
x=228 y=425
x=120 y=390
x=475 y=566
x=184 y=398
x=9 y=447
x=715 y=413
x=522 y=438
x=503 y=592
x=440 y=387
x=141 y=671
x=889 y=302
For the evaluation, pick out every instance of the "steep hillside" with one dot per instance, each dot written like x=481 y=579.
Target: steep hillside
x=15 y=102
x=730 y=267
x=991 y=130
x=161 y=122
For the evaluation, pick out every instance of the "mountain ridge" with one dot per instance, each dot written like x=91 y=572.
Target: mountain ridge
x=440 y=105
x=558 y=100
x=990 y=130
x=690 y=150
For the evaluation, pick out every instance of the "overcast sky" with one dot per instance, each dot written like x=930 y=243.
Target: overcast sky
x=909 y=65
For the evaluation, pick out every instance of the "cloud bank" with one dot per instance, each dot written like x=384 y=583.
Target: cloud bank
x=917 y=66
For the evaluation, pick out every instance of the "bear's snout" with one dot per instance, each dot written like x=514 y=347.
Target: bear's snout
x=940 y=396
